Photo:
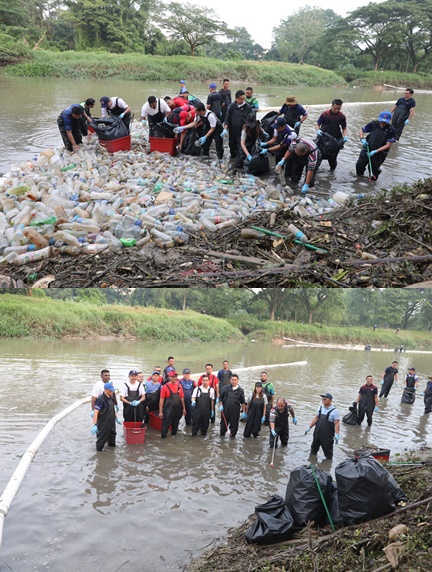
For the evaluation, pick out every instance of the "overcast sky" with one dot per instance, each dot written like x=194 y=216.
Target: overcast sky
x=259 y=17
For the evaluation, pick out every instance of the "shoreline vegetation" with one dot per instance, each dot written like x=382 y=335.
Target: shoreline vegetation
x=140 y=67
x=39 y=317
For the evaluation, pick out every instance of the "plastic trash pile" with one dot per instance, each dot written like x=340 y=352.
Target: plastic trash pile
x=93 y=202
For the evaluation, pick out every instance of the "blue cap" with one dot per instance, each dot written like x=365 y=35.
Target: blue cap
x=385 y=117
x=109 y=385
x=213 y=86
x=327 y=395
x=182 y=81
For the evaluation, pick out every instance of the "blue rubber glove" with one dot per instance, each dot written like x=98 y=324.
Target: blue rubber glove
x=94 y=429
x=144 y=122
x=281 y=162
x=297 y=124
x=307 y=430
x=372 y=153
x=406 y=121
x=165 y=120
x=295 y=420
x=305 y=189
x=319 y=132
x=273 y=432
x=121 y=115
x=422 y=394
x=264 y=151
x=193 y=404
x=92 y=413
x=220 y=407
x=117 y=408
x=217 y=400
x=224 y=134
x=364 y=142
x=118 y=421
x=376 y=409
x=263 y=144
x=396 y=384
x=135 y=403
x=263 y=419
x=337 y=436
x=249 y=158
x=212 y=415
x=382 y=382
x=202 y=140
x=345 y=138
x=243 y=416
x=178 y=130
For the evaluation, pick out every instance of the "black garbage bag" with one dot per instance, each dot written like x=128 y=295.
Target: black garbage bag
x=109 y=128
x=188 y=146
x=267 y=121
x=258 y=166
x=329 y=145
x=351 y=417
x=161 y=130
x=397 y=493
x=333 y=507
x=274 y=523
x=302 y=495
x=364 y=489
x=408 y=395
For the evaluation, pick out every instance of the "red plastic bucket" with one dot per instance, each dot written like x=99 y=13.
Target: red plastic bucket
x=90 y=129
x=122 y=144
x=164 y=145
x=155 y=421
x=134 y=433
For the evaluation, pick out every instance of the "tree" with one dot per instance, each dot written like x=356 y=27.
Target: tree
x=192 y=23
x=312 y=299
x=275 y=298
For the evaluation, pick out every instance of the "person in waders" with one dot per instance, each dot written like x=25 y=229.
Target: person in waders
x=224 y=376
x=255 y=410
x=234 y=120
x=232 y=406
x=168 y=369
x=152 y=389
x=403 y=111
x=269 y=392
x=69 y=124
x=98 y=389
x=380 y=137
x=87 y=106
x=213 y=382
x=250 y=137
x=279 y=426
x=171 y=405
x=105 y=418
x=428 y=396
x=133 y=395
x=210 y=127
x=117 y=107
x=283 y=135
x=155 y=110
x=411 y=383
x=327 y=421
x=333 y=122
x=293 y=113
x=203 y=404
x=226 y=97
x=300 y=154
x=389 y=376
x=367 y=400
x=188 y=385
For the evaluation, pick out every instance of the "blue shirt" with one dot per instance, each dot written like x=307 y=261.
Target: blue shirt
x=334 y=415
x=67 y=116
x=150 y=387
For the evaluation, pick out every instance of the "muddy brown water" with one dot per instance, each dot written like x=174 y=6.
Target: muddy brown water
x=152 y=507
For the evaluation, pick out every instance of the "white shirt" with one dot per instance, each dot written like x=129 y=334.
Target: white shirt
x=120 y=103
x=98 y=389
x=202 y=389
x=133 y=387
x=211 y=117
x=147 y=110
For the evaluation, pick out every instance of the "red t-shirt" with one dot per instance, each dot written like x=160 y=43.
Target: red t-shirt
x=175 y=388
x=213 y=381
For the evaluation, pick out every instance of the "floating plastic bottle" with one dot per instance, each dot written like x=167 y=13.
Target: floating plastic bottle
x=298 y=234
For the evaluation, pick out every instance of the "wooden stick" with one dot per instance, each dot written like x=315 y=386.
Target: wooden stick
x=425 y=258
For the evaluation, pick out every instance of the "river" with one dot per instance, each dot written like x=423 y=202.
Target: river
x=31 y=107
x=151 y=507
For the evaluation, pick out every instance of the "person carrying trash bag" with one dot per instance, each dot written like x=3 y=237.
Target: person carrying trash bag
x=251 y=135
x=427 y=396
x=380 y=137
x=403 y=111
x=209 y=125
x=367 y=400
x=116 y=106
x=301 y=153
x=279 y=427
x=389 y=376
x=105 y=418
x=283 y=135
x=232 y=406
x=327 y=430
x=411 y=383
x=333 y=122
x=171 y=405
x=255 y=410
x=132 y=395
x=203 y=404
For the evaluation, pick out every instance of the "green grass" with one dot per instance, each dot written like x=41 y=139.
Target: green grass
x=160 y=68
x=369 y=78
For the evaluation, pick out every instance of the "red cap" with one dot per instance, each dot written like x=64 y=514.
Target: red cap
x=172 y=373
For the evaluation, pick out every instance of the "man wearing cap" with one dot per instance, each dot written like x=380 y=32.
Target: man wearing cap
x=403 y=111
x=171 y=404
x=234 y=120
x=367 y=399
x=105 y=418
x=293 y=112
x=411 y=383
x=168 y=368
x=301 y=153
x=117 y=107
x=215 y=101
x=98 y=389
x=152 y=391
x=283 y=135
x=279 y=426
x=380 y=137
x=183 y=87
x=69 y=124
x=389 y=376
x=428 y=396
x=132 y=395
x=327 y=421
x=188 y=385
x=333 y=122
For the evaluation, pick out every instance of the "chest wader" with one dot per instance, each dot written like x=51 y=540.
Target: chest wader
x=76 y=131
x=215 y=136
x=231 y=411
x=428 y=397
x=365 y=407
x=225 y=380
x=133 y=413
x=172 y=412
x=238 y=118
x=250 y=145
x=117 y=110
x=408 y=395
x=255 y=413
x=157 y=117
x=106 y=424
x=387 y=385
x=323 y=435
x=269 y=396
x=377 y=138
x=201 y=414
x=292 y=115
x=400 y=114
x=281 y=427
x=187 y=394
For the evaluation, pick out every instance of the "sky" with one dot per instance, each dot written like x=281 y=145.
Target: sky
x=259 y=18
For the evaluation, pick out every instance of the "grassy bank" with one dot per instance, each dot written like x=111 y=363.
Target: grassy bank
x=372 y=79
x=46 y=318
x=103 y=65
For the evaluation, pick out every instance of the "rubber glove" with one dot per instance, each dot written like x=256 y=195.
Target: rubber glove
x=202 y=140
x=415 y=389
x=422 y=394
x=382 y=382
x=297 y=124
x=264 y=151
x=117 y=408
x=193 y=403
x=372 y=153
x=273 y=432
x=121 y=115
x=406 y=121
x=243 y=416
x=135 y=403
x=345 y=138
x=217 y=400
x=118 y=421
x=165 y=120
x=144 y=121
x=319 y=132
x=295 y=420
x=92 y=413
x=94 y=429
x=307 y=430
x=224 y=134
x=376 y=409
x=179 y=130
x=263 y=419
x=305 y=189
x=337 y=436
x=364 y=142
x=249 y=158
x=281 y=162
x=212 y=414
x=220 y=407
x=263 y=145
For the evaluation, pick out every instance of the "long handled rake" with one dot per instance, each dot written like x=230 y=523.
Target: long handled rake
x=274 y=448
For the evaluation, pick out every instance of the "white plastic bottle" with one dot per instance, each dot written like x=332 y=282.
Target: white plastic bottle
x=298 y=234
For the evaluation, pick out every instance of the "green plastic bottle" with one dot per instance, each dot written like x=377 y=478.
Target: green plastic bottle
x=68 y=168
x=128 y=241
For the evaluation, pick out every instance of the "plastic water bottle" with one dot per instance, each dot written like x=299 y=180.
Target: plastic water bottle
x=35 y=237
x=207 y=224
x=340 y=197
x=298 y=234
x=161 y=239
